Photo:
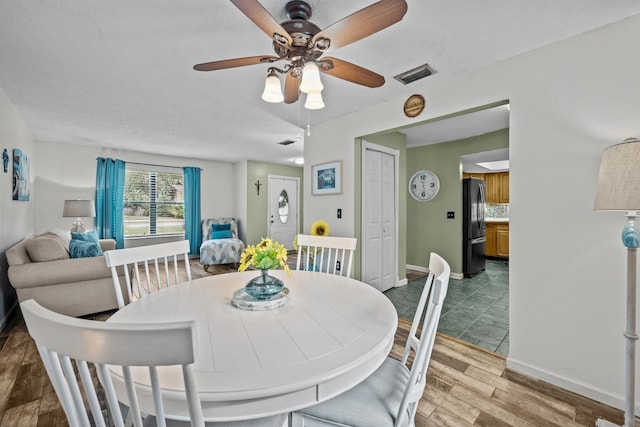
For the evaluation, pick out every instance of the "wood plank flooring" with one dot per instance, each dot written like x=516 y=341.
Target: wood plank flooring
x=466 y=386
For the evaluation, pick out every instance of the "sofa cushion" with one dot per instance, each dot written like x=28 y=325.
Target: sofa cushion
x=46 y=248
x=89 y=236
x=84 y=249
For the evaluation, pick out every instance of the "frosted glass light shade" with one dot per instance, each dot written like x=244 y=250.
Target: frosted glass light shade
x=311 y=79
x=272 y=89
x=619 y=179
x=314 y=101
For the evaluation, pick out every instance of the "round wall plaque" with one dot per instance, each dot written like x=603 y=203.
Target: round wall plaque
x=414 y=105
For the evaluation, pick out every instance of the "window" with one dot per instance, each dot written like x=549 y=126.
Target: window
x=153 y=203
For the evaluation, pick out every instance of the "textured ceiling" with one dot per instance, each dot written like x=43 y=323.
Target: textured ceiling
x=118 y=74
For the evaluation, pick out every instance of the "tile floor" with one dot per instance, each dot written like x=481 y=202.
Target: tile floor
x=476 y=310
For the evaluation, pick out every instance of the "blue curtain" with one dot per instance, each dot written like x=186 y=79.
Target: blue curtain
x=110 y=200
x=192 y=208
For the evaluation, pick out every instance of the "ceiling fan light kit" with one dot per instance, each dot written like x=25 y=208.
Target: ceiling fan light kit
x=311 y=79
x=272 y=89
x=301 y=43
x=314 y=101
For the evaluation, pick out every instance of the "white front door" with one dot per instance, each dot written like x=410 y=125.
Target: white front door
x=283 y=212
x=379 y=216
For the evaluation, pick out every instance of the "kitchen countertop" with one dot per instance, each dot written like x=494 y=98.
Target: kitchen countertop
x=497 y=220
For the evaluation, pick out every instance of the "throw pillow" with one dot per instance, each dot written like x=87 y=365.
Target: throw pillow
x=45 y=248
x=59 y=235
x=84 y=249
x=89 y=236
x=223 y=234
x=218 y=227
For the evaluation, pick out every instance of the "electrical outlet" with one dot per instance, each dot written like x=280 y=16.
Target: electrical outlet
x=339 y=213
x=451 y=215
x=337 y=265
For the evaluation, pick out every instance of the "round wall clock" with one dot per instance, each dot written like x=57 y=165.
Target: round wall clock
x=414 y=105
x=424 y=185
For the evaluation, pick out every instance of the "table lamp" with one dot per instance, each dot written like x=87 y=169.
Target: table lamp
x=78 y=209
x=619 y=190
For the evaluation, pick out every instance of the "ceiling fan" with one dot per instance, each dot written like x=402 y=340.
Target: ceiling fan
x=302 y=43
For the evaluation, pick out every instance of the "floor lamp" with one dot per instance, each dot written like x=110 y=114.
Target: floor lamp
x=619 y=190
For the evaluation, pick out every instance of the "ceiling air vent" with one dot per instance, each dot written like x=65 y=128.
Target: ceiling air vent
x=286 y=142
x=417 y=73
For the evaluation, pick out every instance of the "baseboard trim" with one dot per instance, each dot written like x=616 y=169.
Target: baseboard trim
x=422 y=269
x=417 y=268
x=402 y=282
x=614 y=400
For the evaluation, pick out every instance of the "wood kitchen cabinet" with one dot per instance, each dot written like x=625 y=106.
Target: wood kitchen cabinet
x=497 y=240
x=473 y=175
x=502 y=241
x=490 y=248
x=504 y=187
x=497 y=187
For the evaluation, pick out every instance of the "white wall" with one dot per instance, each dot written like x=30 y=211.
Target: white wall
x=568 y=101
x=240 y=180
x=16 y=217
x=69 y=172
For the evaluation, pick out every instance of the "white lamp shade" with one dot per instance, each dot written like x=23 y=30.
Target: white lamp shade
x=79 y=209
x=272 y=89
x=619 y=179
x=314 y=101
x=311 y=79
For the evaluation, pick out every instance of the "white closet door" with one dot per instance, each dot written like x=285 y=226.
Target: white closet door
x=379 y=263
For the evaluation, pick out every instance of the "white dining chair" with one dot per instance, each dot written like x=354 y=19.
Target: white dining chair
x=161 y=257
x=326 y=254
x=389 y=397
x=65 y=341
x=77 y=353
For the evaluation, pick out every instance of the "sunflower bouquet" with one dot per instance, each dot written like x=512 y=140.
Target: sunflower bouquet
x=265 y=255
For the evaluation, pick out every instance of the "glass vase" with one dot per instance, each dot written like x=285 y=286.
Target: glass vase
x=264 y=286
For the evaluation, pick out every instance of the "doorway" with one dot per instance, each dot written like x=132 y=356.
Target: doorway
x=283 y=216
x=380 y=171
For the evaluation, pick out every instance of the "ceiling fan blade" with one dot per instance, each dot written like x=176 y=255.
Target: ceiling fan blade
x=351 y=72
x=291 y=89
x=263 y=19
x=237 y=62
x=364 y=22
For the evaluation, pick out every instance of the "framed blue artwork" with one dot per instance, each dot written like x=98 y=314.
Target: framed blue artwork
x=20 y=175
x=327 y=178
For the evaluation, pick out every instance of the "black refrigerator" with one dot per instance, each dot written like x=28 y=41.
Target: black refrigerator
x=473 y=232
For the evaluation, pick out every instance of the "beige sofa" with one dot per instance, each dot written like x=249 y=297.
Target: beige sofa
x=40 y=269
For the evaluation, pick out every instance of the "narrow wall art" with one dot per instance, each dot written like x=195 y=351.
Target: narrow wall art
x=20 y=175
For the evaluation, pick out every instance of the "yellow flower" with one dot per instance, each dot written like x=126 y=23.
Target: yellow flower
x=320 y=228
x=265 y=255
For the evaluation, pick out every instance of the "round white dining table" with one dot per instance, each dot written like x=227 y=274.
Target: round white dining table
x=333 y=333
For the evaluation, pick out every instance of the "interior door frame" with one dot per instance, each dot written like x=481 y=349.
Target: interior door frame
x=366 y=145
x=297 y=207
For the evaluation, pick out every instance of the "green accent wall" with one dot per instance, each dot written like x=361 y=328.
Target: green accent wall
x=396 y=141
x=257 y=205
x=429 y=228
